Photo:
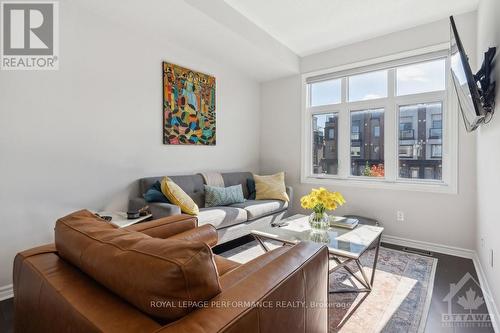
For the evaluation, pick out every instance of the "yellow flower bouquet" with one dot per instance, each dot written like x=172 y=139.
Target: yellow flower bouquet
x=319 y=201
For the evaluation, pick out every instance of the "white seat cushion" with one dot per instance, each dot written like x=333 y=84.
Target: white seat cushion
x=221 y=217
x=259 y=208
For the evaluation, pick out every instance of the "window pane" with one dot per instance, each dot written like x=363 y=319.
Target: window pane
x=420 y=141
x=368 y=86
x=421 y=78
x=325 y=130
x=326 y=92
x=367 y=143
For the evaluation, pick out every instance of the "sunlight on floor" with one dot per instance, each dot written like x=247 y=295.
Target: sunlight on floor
x=402 y=291
x=247 y=252
x=391 y=287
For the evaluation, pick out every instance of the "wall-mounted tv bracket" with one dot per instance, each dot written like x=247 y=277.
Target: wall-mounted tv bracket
x=485 y=84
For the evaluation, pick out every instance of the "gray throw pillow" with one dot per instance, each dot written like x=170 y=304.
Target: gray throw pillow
x=223 y=196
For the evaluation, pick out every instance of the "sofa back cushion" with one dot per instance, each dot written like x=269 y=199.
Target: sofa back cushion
x=163 y=278
x=193 y=184
x=236 y=178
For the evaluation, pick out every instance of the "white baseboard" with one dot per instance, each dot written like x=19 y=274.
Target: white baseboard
x=490 y=302
x=458 y=252
x=432 y=247
x=6 y=292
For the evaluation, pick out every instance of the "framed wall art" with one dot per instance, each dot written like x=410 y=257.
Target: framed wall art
x=188 y=106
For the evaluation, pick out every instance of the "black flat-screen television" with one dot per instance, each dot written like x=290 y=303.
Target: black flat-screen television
x=465 y=84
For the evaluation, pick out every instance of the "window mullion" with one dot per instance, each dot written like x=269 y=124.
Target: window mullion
x=390 y=131
x=343 y=90
x=344 y=143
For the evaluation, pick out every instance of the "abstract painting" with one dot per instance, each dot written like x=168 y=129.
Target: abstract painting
x=188 y=106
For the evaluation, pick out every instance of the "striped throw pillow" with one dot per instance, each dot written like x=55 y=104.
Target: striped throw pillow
x=223 y=196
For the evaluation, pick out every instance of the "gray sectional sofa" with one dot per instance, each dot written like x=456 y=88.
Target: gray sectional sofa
x=231 y=221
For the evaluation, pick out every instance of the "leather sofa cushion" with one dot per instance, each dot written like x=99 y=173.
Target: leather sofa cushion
x=222 y=217
x=161 y=277
x=258 y=208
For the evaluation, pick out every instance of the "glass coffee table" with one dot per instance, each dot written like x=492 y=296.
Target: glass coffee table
x=344 y=245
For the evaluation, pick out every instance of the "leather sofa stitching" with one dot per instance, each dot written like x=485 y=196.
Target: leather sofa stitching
x=121 y=248
x=213 y=263
x=186 y=282
x=158 y=226
x=182 y=218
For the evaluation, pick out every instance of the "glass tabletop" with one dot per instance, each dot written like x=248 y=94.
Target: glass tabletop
x=340 y=241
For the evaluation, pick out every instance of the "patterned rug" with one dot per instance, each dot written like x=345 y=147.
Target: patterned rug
x=398 y=302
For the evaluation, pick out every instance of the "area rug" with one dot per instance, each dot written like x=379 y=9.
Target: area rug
x=399 y=301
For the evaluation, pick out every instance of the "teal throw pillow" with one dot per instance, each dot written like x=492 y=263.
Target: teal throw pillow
x=223 y=196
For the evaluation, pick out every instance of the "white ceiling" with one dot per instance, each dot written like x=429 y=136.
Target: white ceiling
x=311 y=26
x=264 y=38
x=210 y=28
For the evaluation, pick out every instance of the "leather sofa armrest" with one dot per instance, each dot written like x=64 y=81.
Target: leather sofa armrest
x=299 y=276
x=241 y=272
x=22 y=256
x=206 y=234
x=158 y=209
x=166 y=227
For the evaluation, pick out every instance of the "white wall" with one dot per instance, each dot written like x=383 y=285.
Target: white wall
x=488 y=155
x=78 y=137
x=439 y=218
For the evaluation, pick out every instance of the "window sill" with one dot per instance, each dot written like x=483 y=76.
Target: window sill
x=401 y=185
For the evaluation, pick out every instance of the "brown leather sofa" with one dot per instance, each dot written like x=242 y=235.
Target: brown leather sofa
x=56 y=286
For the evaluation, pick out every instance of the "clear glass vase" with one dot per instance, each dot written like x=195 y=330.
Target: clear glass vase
x=319 y=221
x=319 y=236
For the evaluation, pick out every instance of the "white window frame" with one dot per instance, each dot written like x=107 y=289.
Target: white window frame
x=448 y=183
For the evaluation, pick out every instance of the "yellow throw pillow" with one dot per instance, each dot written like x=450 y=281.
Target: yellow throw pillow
x=178 y=197
x=271 y=187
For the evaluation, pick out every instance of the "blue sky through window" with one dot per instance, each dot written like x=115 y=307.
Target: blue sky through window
x=420 y=78
x=325 y=92
x=368 y=86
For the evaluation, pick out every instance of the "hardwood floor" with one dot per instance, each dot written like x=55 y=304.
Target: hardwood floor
x=449 y=270
x=6 y=315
